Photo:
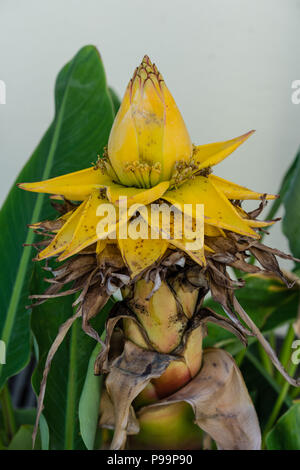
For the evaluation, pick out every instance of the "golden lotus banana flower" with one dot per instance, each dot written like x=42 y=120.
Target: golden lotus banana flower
x=154 y=363
x=149 y=158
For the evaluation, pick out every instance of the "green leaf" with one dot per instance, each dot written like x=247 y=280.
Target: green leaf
x=83 y=118
x=44 y=433
x=69 y=366
x=268 y=301
x=285 y=185
x=286 y=433
x=89 y=403
x=115 y=99
x=24 y=416
x=260 y=385
x=291 y=201
x=259 y=368
x=22 y=440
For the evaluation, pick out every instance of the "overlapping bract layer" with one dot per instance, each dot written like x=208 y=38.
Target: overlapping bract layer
x=78 y=228
x=150 y=158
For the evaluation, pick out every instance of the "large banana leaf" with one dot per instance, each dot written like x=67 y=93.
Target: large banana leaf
x=90 y=402
x=84 y=112
x=67 y=375
x=284 y=188
x=291 y=200
x=69 y=367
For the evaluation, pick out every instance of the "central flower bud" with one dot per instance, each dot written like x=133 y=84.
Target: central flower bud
x=148 y=135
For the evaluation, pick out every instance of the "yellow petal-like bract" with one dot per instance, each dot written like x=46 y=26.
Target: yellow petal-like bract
x=218 y=211
x=212 y=154
x=75 y=186
x=235 y=191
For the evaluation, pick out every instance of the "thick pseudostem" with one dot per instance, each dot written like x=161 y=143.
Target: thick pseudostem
x=217 y=392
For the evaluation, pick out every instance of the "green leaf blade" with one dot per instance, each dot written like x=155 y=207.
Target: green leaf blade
x=83 y=119
x=291 y=201
x=286 y=433
x=89 y=403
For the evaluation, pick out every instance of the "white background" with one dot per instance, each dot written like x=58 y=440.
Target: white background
x=228 y=63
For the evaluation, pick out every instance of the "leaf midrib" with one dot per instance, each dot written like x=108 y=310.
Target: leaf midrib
x=21 y=273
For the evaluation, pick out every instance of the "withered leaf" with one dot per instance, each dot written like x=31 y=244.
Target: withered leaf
x=208 y=315
x=224 y=297
x=118 y=312
x=129 y=374
x=93 y=302
x=221 y=403
x=107 y=414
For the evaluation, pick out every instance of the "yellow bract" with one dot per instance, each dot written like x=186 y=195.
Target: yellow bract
x=235 y=191
x=142 y=253
x=212 y=154
x=85 y=233
x=136 y=195
x=218 y=211
x=64 y=236
x=75 y=186
x=148 y=129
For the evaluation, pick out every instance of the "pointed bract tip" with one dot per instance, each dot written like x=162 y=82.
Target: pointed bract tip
x=250 y=132
x=146 y=59
x=245 y=136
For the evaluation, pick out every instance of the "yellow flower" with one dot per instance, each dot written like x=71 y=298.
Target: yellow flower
x=148 y=135
x=149 y=158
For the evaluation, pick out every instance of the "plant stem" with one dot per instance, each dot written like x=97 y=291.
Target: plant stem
x=272 y=340
x=285 y=352
x=266 y=361
x=7 y=412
